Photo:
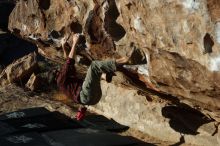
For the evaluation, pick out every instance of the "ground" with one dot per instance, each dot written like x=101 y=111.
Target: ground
x=13 y=98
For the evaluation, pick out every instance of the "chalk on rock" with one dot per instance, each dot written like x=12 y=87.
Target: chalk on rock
x=42 y=123
x=6 y=129
x=28 y=139
x=26 y=113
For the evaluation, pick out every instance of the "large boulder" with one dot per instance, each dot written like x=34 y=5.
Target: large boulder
x=159 y=118
x=20 y=70
x=180 y=39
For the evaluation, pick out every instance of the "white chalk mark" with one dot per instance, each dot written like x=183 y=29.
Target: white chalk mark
x=215 y=64
x=35 y=125
x=185 y=27
x=217 y=32
x=138 y=24
x=141 y=69
x=15 y=115
x=19 y=139
x=24 y=27
x=191 y=5
x=33 y=37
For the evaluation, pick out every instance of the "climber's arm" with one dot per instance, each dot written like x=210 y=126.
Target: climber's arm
x=68 y=68
x=64 y=50
x=72 y=53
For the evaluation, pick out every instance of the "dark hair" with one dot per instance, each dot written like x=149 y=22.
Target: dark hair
x=82 y=42
x=52 y=75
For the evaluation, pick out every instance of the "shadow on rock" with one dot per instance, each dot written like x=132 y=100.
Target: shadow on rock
x=102 y=123
x=6 y=8
x=116 y=31
x=65 y=131
x=182 y=141
x=185 y=119
x=12 y=48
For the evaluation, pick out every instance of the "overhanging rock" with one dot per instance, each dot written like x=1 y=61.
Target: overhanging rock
x=171 y=34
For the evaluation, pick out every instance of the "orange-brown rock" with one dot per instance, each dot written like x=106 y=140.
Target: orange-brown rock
x=180 y=38
x=214 y=9
x=19 y=70
x=34 y=83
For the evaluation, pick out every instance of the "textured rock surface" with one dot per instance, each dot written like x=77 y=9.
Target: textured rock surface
x=34 y=82
x=158 y=118
x=180 y=38
x=19 y=70
x=14 y=98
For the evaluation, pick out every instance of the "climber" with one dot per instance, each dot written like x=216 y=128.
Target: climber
x=87 y=91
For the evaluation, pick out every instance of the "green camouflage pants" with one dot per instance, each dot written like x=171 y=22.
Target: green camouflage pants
x=91 y=91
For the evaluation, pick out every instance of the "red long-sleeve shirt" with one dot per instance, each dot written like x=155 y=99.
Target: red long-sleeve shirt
x=68 y=82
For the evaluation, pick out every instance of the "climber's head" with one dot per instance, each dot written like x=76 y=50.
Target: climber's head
x=81 y=42
x=52 y=75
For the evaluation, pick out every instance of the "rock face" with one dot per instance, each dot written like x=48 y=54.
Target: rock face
x=11 y=47
x=20 y=70
x=159 y=118
x=33 y=83
x=180 y=38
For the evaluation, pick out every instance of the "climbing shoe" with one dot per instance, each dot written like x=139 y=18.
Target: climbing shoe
x=80 y=115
